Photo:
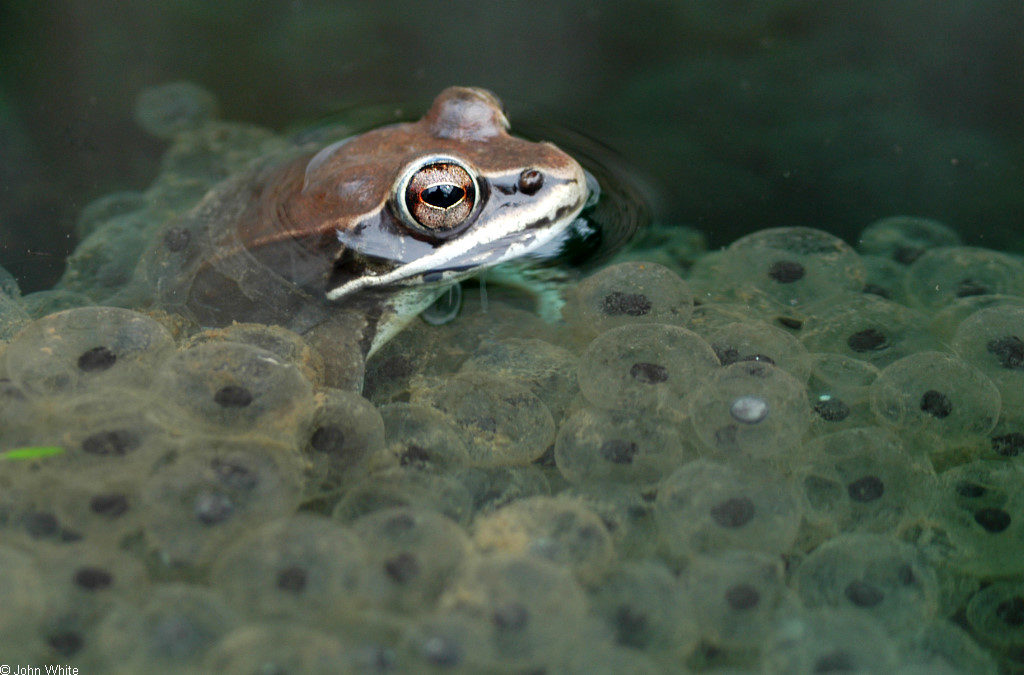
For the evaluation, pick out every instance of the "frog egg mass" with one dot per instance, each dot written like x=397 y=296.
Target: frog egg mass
x=228 y=444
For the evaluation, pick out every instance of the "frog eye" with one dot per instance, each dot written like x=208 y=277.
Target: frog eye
x=438 y=196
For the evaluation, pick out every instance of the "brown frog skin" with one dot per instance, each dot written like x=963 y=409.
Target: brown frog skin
x=351 y=242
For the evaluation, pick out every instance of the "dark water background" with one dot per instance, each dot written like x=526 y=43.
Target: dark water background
x=737 y=115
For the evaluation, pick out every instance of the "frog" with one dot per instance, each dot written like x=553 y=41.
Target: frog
x=347 y=243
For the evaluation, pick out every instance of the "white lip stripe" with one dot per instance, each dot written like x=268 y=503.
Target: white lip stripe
x=462 y=247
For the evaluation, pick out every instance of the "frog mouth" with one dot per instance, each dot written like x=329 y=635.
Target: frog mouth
x=516 y=238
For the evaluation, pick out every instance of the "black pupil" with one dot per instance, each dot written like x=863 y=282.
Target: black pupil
x=442 y=196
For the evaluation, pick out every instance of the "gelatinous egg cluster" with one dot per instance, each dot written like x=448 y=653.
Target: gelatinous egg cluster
x=792 y=455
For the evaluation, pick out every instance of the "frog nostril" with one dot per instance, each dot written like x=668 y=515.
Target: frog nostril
x=530 y=180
